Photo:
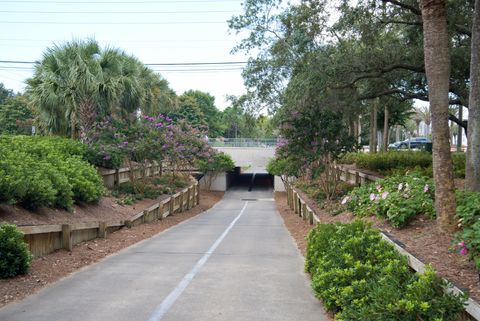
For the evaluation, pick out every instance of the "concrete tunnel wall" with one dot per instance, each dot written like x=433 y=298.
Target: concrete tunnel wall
x=252 y=159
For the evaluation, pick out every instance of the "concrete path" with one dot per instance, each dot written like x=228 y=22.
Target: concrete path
x=236 y=262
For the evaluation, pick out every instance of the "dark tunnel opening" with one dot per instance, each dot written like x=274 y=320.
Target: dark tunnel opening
x=250 y=181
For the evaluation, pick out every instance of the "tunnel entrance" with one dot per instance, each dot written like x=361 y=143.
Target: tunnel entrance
x=250 y=181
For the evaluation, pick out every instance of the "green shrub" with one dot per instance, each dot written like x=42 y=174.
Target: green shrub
x=359 y=276
x=46 y=171
x=400 y=162
x=396 y=198
x=15 y=258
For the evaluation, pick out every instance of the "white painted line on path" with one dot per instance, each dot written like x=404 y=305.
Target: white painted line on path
x=167 y=303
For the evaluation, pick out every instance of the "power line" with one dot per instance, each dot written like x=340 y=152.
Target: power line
x=112 y=23
x=119 y=2
x=120 y=12
x=120 y=40
x=150 y=64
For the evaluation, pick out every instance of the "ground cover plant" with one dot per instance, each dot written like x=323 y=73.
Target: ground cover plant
x=400 y=162
x=397 y=199
x=467 y=240
x=15 y=258
x=46 y=171
x=359 y=276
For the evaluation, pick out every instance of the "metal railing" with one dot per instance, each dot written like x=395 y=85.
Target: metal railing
x=243 y=142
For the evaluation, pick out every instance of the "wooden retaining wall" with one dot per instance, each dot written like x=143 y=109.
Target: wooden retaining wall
x=44 y=239
x=300 y=207
x=114 y=177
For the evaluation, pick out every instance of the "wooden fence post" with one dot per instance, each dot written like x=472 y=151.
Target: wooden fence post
x=304 y=211
x=198 y=193
x=160 y=211
x=310 y=216
x=67 y=237
x=102 y=230
x=171 y=205
x=116 y=178
x=188 y=198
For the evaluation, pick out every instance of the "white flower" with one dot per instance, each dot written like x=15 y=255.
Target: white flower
x=372 y=197
x=400 y=186
x=345 y=200
x=384 y=195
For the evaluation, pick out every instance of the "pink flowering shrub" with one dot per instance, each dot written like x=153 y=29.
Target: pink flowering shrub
x=396 y=198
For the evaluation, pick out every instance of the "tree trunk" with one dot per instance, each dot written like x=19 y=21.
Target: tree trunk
x=459 y=129
x=359 y=130
x=472 y=177
x=385 y=129
x=373 y=127
x=437 y=68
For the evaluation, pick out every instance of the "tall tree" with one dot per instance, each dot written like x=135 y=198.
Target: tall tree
x=4 y=93
x=472 y=175
x=206 y=102
x=437 y=67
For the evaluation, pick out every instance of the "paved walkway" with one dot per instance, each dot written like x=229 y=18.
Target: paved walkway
x=235 y=262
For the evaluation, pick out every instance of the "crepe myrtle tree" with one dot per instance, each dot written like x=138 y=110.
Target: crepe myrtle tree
x=316 y=138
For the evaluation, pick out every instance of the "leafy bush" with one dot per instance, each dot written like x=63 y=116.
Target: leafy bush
x=15 y=258
x=396 y=198
x=219 y=162
x=468 y=214
x=359 y=276
x=396 y=162
x=46 y=171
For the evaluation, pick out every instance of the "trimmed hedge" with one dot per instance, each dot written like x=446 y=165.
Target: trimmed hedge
x=359 y=276
x=46 y=171
x=15 y=258
x=401 y=162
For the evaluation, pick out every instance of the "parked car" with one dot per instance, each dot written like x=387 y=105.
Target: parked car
x=414 y=142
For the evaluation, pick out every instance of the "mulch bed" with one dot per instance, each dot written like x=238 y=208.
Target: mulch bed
x=421 y=238
x=52 y=267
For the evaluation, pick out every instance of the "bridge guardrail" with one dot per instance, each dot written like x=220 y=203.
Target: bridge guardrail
x=243 y=142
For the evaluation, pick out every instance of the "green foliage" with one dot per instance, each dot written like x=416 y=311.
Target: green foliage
x=219 y=162
x=206 y=103
x=283 y=167
x=15 y=258
x=468 y=214
x=359 y=276
x=46 y=171
x=400 y=162
x=459 y=162
x=396 y=198
x=14 y=114
x=386 y=161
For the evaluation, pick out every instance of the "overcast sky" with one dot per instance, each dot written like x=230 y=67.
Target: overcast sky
x=155 y=31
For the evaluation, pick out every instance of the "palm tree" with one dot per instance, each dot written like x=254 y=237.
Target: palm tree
x=437 y=69
x=64 y=87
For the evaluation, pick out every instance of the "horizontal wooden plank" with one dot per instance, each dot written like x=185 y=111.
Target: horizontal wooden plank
x=40 y=229
x=136 y=216
x=153 y=207
x=115 y=224
x=84 y=226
